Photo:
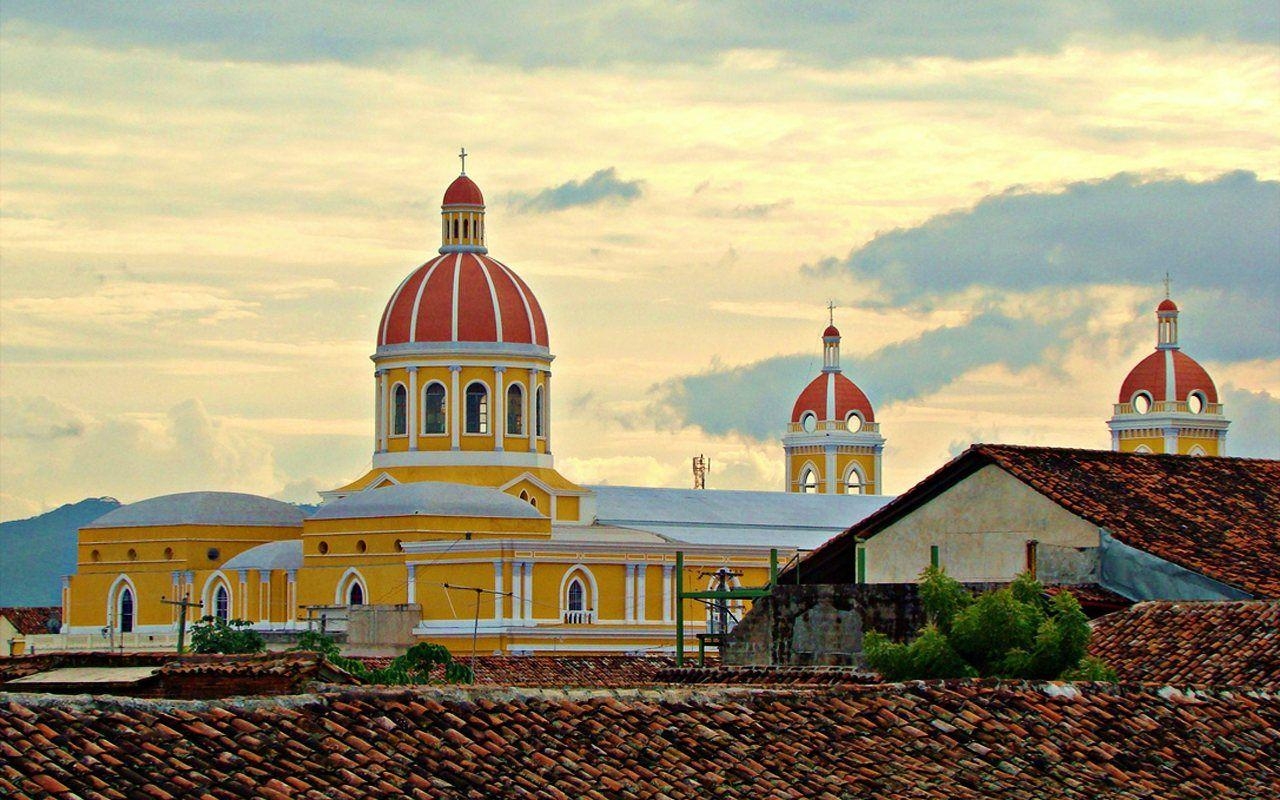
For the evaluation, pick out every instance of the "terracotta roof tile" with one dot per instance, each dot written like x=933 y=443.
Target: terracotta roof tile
x=559 y=671
x=1218 y=643
x=954 y=739
x=33 y=619
x=1217 y=516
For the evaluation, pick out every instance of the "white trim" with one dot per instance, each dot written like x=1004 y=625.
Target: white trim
x=524 y=415
x=422 y=407
x=809 y=466
x=543 y=485
x=1170 y=377
x=113 y=603
x=831 y=395
x=206 y=598
x=528 y=309
x=413 y=321
x=493 y=296
x=590 y=602
x=457 y=272
x=394 y=296
x=392 y=408
x=862 y=478
x=448 y=350
x=462 y=458
x=488 y=405
x=342 y=592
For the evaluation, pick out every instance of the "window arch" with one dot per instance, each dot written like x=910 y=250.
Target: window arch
x=352 y=589
x=1142 y=448
x=1197 y=450
x=477 y=408
x=809 y=480
x=222 y=602
x=854 y=481
x=399 y=410
x=809 y=421
x=355 y=594
x=577 y=596
x=515 y=410
x=539 y=414
x=466 y=228
x=1141 y=402
x=122 y=605
x=1196 y=402
x=433 y=408
x=126 y=610
x=853 y=422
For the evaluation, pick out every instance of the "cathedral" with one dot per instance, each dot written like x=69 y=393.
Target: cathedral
x=463 y=532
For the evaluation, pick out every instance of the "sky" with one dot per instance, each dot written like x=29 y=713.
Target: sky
x=204 y=208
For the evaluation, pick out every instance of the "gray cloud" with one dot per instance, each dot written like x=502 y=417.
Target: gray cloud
x=1217 y=238
x=603 y=186
x=1255 y=426
x=755 y=399
x=297 y=31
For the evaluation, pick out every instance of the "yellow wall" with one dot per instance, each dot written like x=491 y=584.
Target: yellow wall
x=815 y=457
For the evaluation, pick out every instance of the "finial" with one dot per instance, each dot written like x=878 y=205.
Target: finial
x=1167 y=281
x=831 y=312
x=463 y=155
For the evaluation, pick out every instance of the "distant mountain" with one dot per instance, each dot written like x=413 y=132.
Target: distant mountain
x=38 y=551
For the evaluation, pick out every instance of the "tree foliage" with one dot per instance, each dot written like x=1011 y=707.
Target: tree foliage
x=1014 y=632
x=415 y=666
x=217 y=635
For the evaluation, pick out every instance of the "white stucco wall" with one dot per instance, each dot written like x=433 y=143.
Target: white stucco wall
x=981 y=526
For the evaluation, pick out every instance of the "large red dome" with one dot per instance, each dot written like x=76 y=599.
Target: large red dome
x=463 y=192
x=848 y=397
x=463 y=297
x=1155 y=374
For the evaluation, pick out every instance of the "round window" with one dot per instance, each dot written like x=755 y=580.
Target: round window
x=854 y=422
x=809 y=422
x=1142 y=402
x=213 y=553
x=361 y=546
x=95 y=556
x=1195 y=402
x=133 y=554
x=399 y=546
x=168 y=554
x=323 y=547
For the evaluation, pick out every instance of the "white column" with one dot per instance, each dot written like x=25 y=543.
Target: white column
x=383 y=417
x=533 y=410
x=175 y=579
x=546 y=409
x=456 y=404
x=528 y=590
x=831 y=469
x=629 y=603
x=668 y=571
x=264 y=596
x=517 y=591
x=66 y=603
x=412 y=411
x=377 y=410
x=498 y=589
x=642 y=572
x=411 y=584
x=879 y=471
x=499 y=398
x=291 y=599
x=1171 y=441
x=243 y=575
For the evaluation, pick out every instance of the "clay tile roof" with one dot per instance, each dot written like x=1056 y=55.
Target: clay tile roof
x=1204 y=643
x=790 y=676
x=560 y=671
x=1216 y=516
x=954 y=739
x=32 y=620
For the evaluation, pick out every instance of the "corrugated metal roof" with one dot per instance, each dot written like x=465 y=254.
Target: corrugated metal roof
x=427 y=498
x=202 y=508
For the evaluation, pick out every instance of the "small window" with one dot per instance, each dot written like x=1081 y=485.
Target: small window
x=323 y=547
x=399 y=545
x=809 y=421
x=533 y=501
x=126 y=610
x=433 y=420
x=515 y=410
x=1195 y=402
x=1142 y=402
x=455 y=227
x=466 y=229
x=539 y=414
x=168 y=554
x=95 y=556
x=524 y=495
x=361 y=546
x=477 y=408
x=133 y=554
x=577 y=596
x=213 y=553
x=853 y=422
x=355 y=596
x=853 y=483
x=808 y=481
x=399 y=410
x=222 y=603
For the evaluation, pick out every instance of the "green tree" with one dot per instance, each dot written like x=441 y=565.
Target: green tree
x=416 y=666
x=1012 y=632
x=217 y=635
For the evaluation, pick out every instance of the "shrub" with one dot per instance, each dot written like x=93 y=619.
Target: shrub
x=217 y=635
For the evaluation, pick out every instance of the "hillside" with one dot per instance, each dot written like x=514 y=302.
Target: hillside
x=38 y=551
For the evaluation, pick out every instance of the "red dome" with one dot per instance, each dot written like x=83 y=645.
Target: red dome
x=848 y=397
x=1154 y=372
x=463 y=192
x=463 y=297
x=831 y=330
x=1167 y=305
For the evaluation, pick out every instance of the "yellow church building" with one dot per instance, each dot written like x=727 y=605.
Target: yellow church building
x=463 y=532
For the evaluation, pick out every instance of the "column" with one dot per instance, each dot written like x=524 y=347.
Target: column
x=264 y=597
x=1171 y=441
x=175 y=593
x=412 y=411
x=879 y=478
x=377 y=410
x=499 y=398
x=642 y=572
x=517 y=591
x=498 y=589
x=291 y=599
x=533 y=410
x=666 y=592
x=66 y=603
x=456 y=404
x=629 y=603
x=383 y=417
x=832 y=478
x=189 y=585
x=243 y=604
x=527 y=600
x=411 y=584
x=546 y=410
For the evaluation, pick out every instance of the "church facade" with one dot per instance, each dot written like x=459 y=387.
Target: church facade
x=463 y=532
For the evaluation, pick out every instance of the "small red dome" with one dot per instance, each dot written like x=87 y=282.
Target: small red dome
x=1153 y=374
x=848 y=397
x=463 y=297
x=1167 y=305
x=463 y=192
x=831 y=330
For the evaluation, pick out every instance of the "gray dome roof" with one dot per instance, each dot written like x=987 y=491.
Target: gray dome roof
x=284 y=554
x=202 y=508
x=428 y=498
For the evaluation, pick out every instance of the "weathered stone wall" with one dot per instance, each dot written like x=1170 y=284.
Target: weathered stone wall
x=823 y=624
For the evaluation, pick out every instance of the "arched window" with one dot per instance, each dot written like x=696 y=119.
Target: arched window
x=222 y=602
x=477 y=408
x=524 y=495
x=1141 y=402
x=809 y=481
x=809 y=422
x=515 y=410
x=126 y=610
x=355 y=595
x=576 y=591
x=1197 y=450
x=399 y=410
x=466 y=228
x=1142 y=448
x=577 y=596
x=539 y=414
x=853 y=422
x=854 y=483
x=455 y=227
x=433 y=420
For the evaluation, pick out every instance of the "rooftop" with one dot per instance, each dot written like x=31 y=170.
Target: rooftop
x=202 y=508
x=1208 y=643
x=955 y=739
x=32 y=619
x=434 y=498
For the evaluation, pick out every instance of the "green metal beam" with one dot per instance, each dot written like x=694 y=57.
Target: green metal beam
x=679 y=608
x=727 y=594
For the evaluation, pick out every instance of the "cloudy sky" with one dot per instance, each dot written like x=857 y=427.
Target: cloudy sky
x=203 y=209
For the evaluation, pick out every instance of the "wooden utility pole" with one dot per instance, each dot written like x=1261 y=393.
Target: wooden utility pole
x=182 y=605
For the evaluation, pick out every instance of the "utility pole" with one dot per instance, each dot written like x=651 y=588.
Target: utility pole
x=182 y=605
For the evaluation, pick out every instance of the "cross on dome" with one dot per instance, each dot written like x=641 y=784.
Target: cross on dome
x=463 y=155
x=831 y=312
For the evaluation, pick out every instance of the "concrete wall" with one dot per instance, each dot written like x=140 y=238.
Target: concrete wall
x=981 y=527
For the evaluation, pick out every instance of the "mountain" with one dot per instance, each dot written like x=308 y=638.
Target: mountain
x=38 y=551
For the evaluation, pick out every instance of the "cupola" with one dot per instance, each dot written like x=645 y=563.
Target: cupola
x=462 y=215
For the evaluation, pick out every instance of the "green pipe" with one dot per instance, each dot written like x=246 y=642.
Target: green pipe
x=679 y=608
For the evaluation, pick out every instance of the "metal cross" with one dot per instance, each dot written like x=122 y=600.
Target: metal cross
x=831 y=311
x=463 y=155
x=1167 y=281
